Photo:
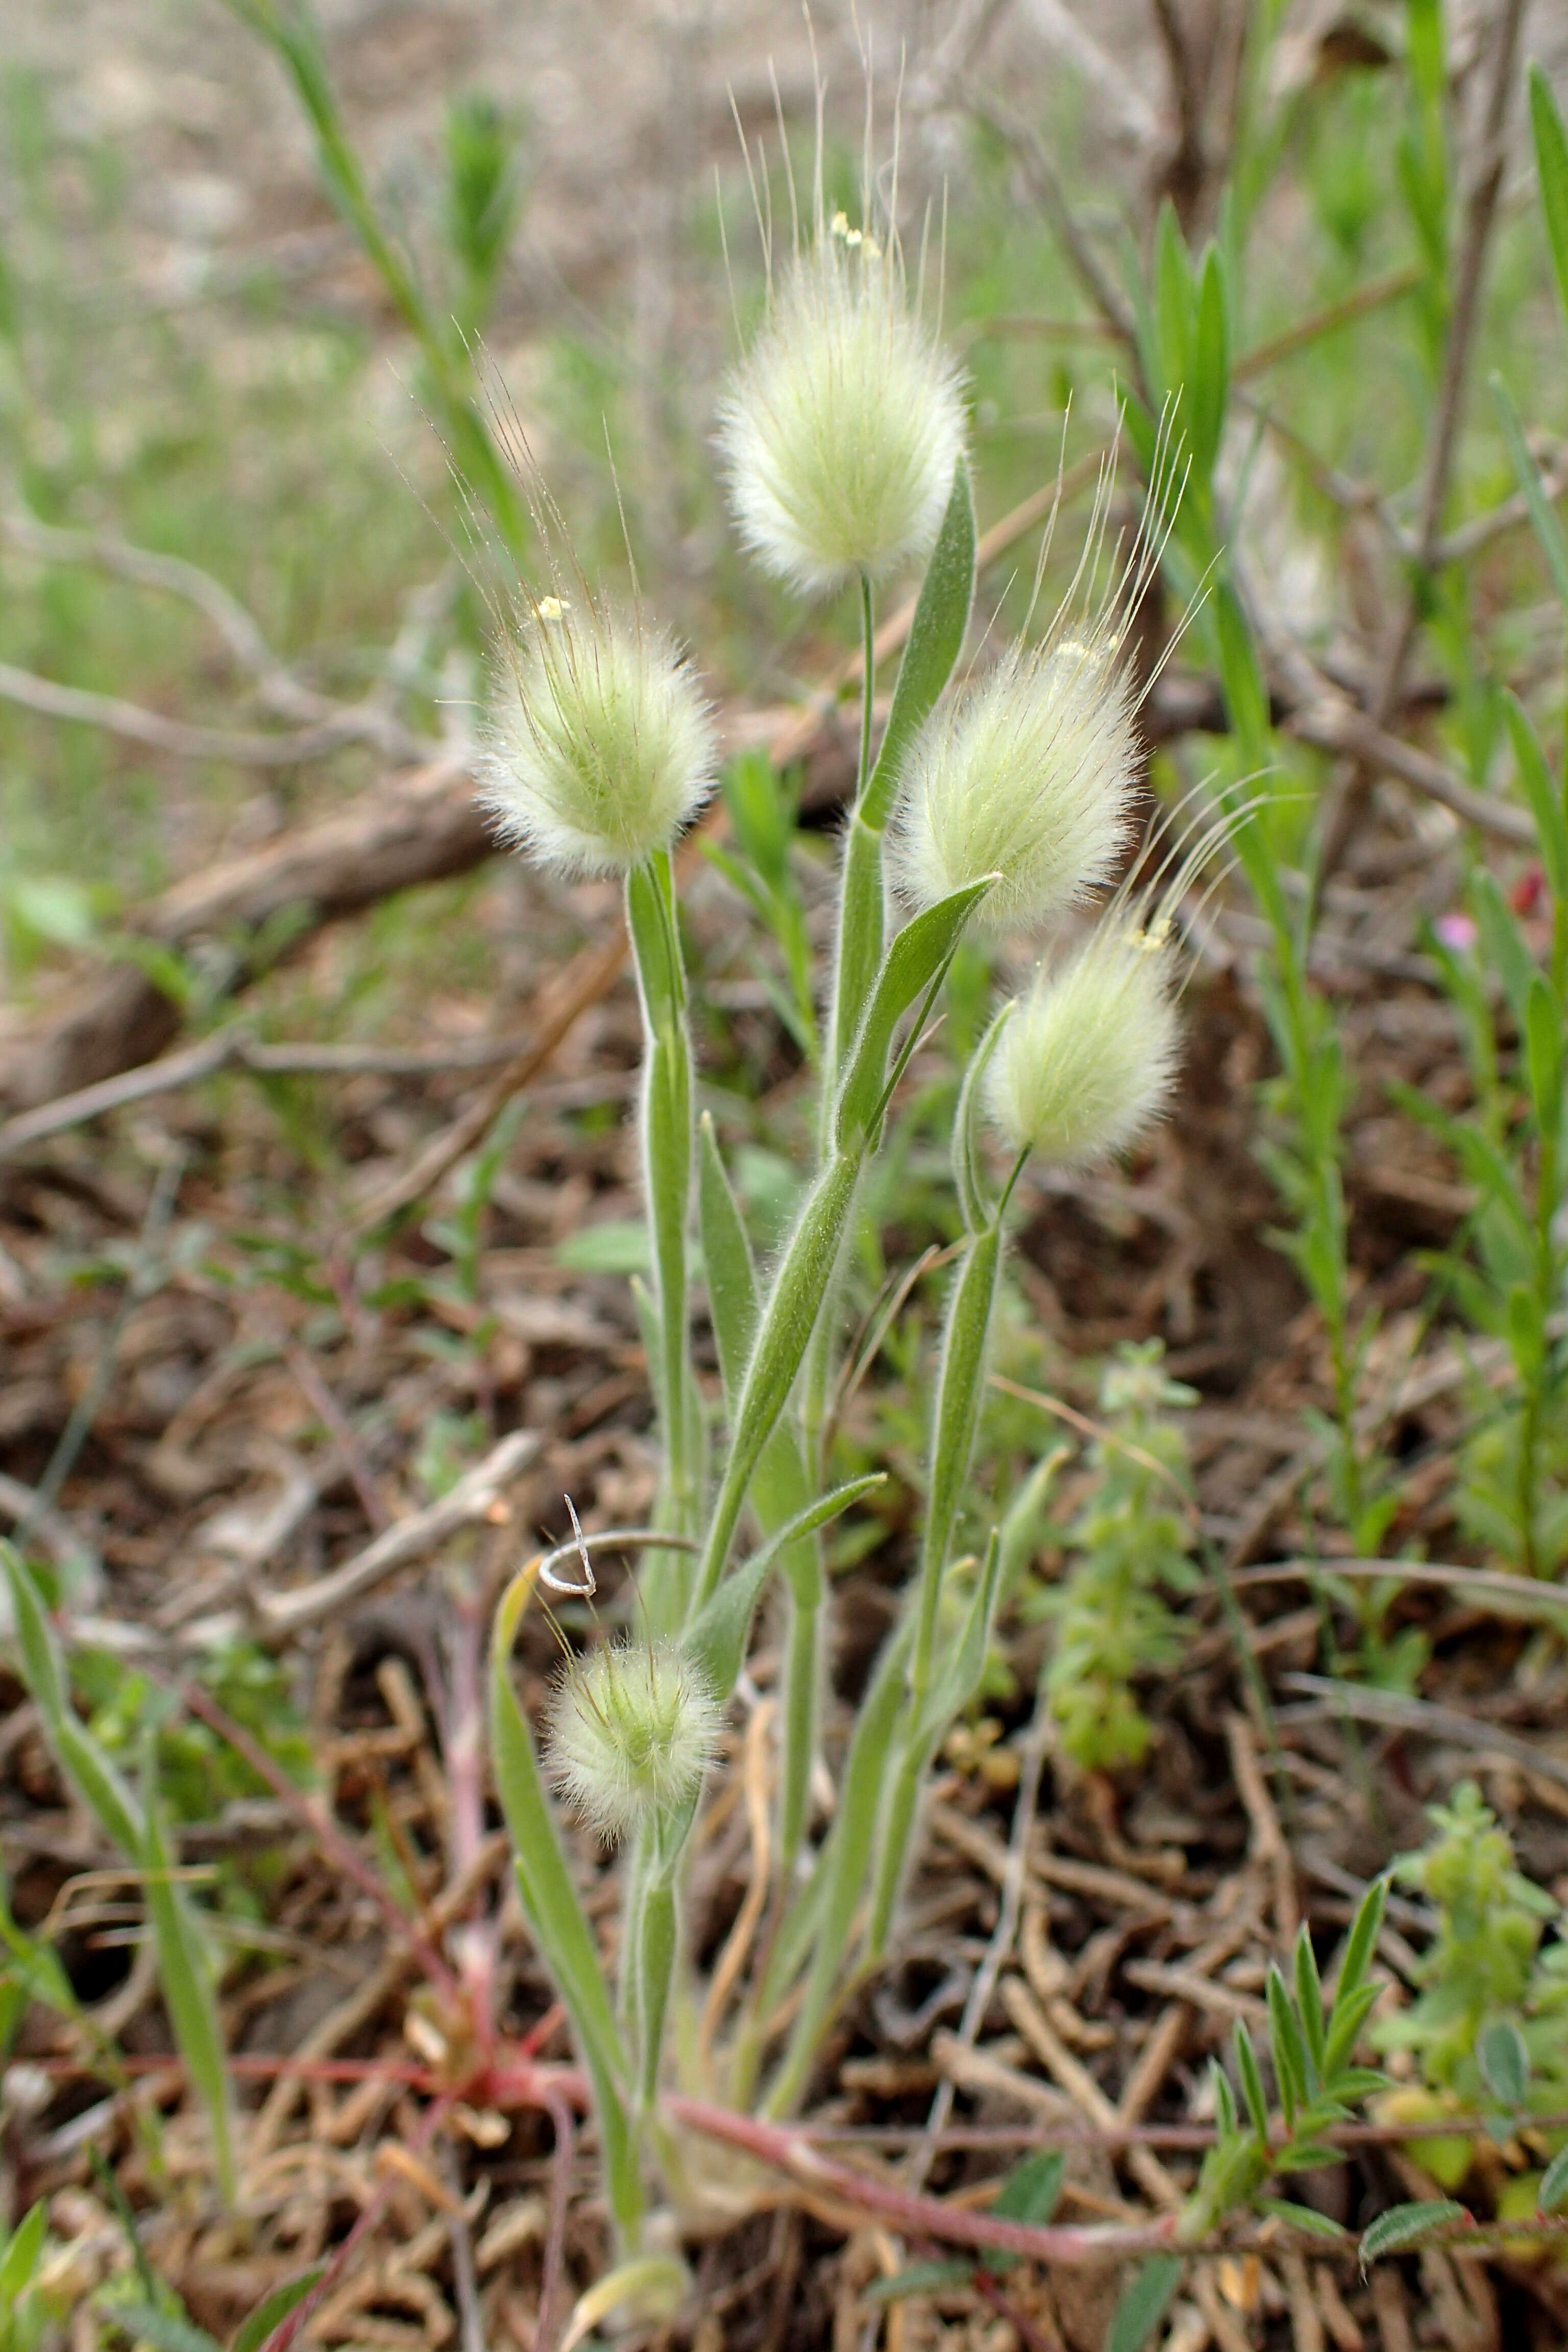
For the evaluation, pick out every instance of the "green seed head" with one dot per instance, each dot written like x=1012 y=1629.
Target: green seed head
x=633 y=1728
x=1087 y=1059
x=841 y=428
x=597 y=748
x=1027 y=773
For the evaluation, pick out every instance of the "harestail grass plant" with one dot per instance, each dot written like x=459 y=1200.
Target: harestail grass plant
x=841 y=443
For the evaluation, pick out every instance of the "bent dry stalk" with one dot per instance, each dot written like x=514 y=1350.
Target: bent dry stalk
x=1002 y=801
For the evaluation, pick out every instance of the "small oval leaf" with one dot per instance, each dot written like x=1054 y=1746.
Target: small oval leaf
x=1504 y=2063
x=1144 y=2304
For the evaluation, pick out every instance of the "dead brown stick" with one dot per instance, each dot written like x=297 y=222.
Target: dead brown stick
x=417 y=827
x=179 y=740
x=236 y=1048
x=473 y=1498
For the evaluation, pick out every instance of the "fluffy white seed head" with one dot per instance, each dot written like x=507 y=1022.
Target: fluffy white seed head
x=841 y=428
x=597 y=746
x=633 y=1728
x=1087 y=1059
x=1027 y=772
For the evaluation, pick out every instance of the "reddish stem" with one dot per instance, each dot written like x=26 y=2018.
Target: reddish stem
x=788 y=2150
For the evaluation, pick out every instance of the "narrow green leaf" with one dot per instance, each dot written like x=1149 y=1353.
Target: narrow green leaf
x=727 y=1258
x=1225 y=2117
x=718 y=1636
x=1350 y=2013
x=1407 y=2225
x=1503 y=942
x=1361 y=1942
x=1543 y=1054
x=961 y=1384
x=1544 y=795
x=35 y=1965
x=1173 y=302
x=1542 y=515
x=1552 y=2195
x=1251 y=2080
x=1246 y=695
x=95 y=1778
x=935 y=641
x=274 y=2309
x=1357 y=2083
x=1307 y=2156
x=800 y=1284
x=1032 y=2191
x=1310 y=1996
x=916 y=958
x=21 y=2256
x=959 y=1680
x=862 y=897
x=917 y=2278
x=1209 y=382
x=1289 y=2046
x=185 y=1978
x=1504 y=2063
x=1552 y=166
x=652 y=1966
x=1144 y=2303
x=1302 y=2217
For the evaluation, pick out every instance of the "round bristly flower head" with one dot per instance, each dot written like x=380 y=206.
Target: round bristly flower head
x=1087 y=1061
x=1028 y=773
x=633 y=1728
x=597 y=748
x=841 y=429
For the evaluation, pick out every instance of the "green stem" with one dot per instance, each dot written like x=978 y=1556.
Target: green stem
x=667 y=1142
x=867 y=684
x=857 y=938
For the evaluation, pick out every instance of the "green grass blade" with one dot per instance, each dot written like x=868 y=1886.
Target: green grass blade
x=85 y=1764
x=185 y=1978
x=1548 y=529
x=274 y=2309
x=1551 y=165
